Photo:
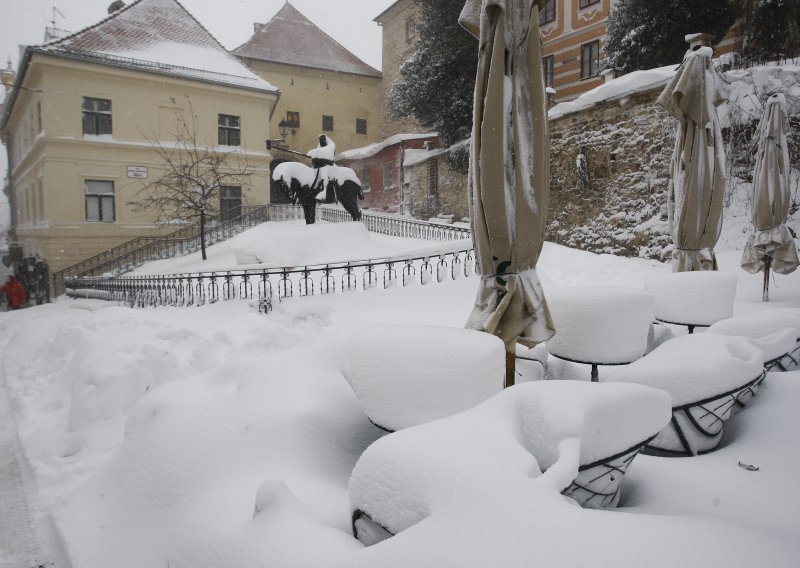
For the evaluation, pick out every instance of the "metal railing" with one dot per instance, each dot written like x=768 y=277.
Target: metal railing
x=398 y=226
x=136 y=252
x=267 y=285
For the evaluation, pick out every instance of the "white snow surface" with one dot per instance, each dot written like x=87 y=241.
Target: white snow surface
x=398 y=375
x=775 y=332
x=535 y=434
x=694 y=367
x=152 y=437
x=698 y=298
x=272 y=245
x=372 y=149
x=196 y=57
x=600 y=324
x=629 y=84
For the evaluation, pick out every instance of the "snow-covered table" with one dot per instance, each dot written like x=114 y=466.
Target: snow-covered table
x=600 y=325
x=692 y=299
x=704 y=374
x=405 y=375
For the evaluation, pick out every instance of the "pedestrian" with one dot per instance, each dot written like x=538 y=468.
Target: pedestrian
x=15 y=292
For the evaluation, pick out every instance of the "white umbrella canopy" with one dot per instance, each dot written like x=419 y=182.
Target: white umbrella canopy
x=697 y=184
x=509 y=180
x=771 y=245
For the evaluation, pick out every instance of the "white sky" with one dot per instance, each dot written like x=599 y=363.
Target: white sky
x=350 y=22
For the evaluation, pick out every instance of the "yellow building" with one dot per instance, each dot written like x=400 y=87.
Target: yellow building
x=87 y=112
x=324 y=87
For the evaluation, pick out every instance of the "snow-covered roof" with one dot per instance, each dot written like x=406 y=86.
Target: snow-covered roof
x=292 y=39
x=372 y=149
x=157 y=36
x=629 y=84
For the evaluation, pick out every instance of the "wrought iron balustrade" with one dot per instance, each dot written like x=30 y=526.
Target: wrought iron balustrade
x=270 y=284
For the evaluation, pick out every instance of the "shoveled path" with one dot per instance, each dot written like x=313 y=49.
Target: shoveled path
x=19 y=547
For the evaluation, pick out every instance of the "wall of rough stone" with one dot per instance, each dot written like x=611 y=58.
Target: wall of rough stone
x=627 y=144
x=450 y=197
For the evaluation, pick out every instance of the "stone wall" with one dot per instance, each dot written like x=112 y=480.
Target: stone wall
x=448 y=196
x=620 y=208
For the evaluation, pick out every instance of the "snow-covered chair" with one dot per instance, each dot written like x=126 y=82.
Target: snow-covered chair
x=693 y=299
x=600 y=325
x=704 y=374
x=775 y=331
x=572 y=437
x=405 y=375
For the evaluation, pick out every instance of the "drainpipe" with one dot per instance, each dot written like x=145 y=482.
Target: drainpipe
x=14 y=248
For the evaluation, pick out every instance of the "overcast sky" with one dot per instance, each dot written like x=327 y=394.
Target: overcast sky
x=350 y=22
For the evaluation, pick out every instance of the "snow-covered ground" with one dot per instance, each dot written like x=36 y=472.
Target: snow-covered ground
x=220 y=437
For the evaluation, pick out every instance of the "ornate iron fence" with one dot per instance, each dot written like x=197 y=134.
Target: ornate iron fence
x=398 y=226
x=267 y=285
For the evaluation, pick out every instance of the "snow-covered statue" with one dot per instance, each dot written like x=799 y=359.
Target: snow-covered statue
x=323 y=182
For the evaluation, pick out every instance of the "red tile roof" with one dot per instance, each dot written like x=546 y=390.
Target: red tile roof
x=292 y=39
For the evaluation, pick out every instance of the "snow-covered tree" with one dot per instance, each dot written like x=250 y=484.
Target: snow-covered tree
x=643 y=34
x=438 y=80
x=770 y=29
x=193 y=174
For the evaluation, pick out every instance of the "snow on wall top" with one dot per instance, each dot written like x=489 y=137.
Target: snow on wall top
x=629 y=84
x=160 y=36
x=292 y=39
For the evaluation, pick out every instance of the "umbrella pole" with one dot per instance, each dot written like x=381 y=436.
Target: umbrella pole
x=511 y=363
x=767 y=265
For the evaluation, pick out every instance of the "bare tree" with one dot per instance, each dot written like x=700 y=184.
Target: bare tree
x=188 y=190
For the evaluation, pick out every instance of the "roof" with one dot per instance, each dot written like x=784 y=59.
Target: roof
x=157 y=36
x=292 y=39
x=372 y=149
x=382 y=14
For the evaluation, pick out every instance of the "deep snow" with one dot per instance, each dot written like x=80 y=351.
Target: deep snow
x=220 y=437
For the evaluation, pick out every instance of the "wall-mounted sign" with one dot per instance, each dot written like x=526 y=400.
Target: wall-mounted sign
x=138 y=172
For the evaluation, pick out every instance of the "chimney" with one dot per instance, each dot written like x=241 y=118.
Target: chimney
x=428 y=145
x=8 y=76
x=257 y=27
x=116 y=6
x=609 y=75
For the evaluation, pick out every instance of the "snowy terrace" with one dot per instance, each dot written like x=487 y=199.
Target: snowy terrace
x=219 y=437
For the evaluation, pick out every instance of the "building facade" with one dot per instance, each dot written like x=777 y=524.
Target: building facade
x=324 y=87
x=89 y=116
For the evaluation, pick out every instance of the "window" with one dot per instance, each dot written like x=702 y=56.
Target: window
x=39 y=114
x=96 y=116
x=230 y=133
x=361 y=126
x=327 y=123
x=292 y=119
x=388 y=175
x=100 y=201
x=230 y=202
x=548 y=63
x=411 y=29
x=548 y=13
x=587 y=3
x=590 y=59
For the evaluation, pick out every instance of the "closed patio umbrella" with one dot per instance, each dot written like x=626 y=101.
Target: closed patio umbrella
x=697 y=181
x=509 y=180
x=771 y=245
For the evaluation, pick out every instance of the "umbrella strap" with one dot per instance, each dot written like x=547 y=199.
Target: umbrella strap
x=500 y=276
